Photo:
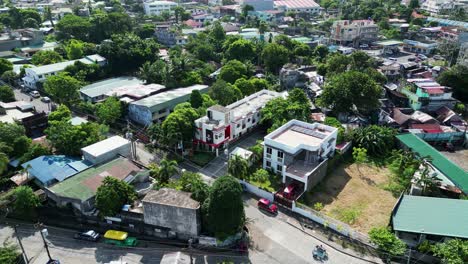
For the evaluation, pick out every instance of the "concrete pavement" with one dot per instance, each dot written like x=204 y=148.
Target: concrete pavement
x=36 y=102
x=278 y=239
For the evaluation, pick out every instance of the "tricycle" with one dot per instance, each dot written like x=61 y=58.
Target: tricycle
x=320 y=253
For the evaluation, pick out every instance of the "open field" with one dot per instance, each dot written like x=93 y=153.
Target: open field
x=355 y=196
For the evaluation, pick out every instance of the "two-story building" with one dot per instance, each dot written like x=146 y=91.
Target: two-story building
x=298 y=6
x=299 y=152
x=427 y=95
x=156 y=8
x=224 y=124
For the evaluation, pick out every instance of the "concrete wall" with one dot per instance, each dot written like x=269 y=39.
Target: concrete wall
x=185 y=222
x=317 y=175
x=257 y=191
x=140 y=114
x=122 y=150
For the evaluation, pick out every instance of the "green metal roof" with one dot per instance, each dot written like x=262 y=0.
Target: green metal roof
x=453 y=172
x=434 y=216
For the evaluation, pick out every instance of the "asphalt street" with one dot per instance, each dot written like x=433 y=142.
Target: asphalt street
x=36 y=102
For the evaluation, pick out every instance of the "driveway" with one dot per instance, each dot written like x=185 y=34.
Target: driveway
x=218 y=166
x=36 y=102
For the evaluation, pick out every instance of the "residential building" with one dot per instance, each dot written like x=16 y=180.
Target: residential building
x=463 y=54
x=24 y=113
x=157 y=107
x=156 y=8
x=79 y=191
x=427 y=95
x=222 y=125
x=416 y=219
x=128 y=89
x=173 y=209
x=355 y=32
x=299 y=152
x=448 y=22
x=107 y=150
x=20 y=38
x=449 y=172
x=436 y=7
x=299 y=6
x=51 y=169
x=169 y=36
x=40 y=73
x=260 y=5
x=425 y=47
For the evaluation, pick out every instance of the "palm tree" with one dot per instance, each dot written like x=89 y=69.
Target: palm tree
x=425 y=180
x=166 y=169
x=238 y=167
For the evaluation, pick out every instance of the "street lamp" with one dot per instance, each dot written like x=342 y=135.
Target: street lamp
x=45 y=233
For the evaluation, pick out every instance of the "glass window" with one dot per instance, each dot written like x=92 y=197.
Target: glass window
x=279 y=168
x=268 y=164
x=280 y=154
x=269 y=151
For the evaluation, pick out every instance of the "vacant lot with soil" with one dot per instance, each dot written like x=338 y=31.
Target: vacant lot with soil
x=353 y=194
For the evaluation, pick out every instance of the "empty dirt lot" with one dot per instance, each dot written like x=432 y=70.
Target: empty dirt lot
x=354 y=195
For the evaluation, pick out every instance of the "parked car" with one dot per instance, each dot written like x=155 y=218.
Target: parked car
x=290 y=190
x=422 y=56
x=35 y=94
x=267 y=205
x=89 y=235
x=411 y=58
x=364 y=46
x=45 y=99
x=438 y=57
x=392 y=59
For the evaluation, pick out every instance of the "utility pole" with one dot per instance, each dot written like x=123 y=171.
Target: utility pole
x=25 y=257
x=190 y=241
x=43 y=235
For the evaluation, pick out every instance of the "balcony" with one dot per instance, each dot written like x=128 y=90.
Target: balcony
x=300 y=169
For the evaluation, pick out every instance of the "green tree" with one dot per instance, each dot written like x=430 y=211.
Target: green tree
x=85 y=72
x=62 y=88
x=225 y=93
x=241 y=50
x=360 y=157
x=331 y=121
x=9 y=132
x=6 y=94
x=193 y=183
x=25 y=201
x=196 y=99
x=224 y=209
x=320 y=53
x=128 y=52
x=9 y=77
x=4 y=160
x=9 y=254
x=238 y=167
x=377 y=140
x=387 y=241
x=361 y=61
x=165 y=170
x=414 y=4
x=260 y=175
x=259 y=84
x=5 y=65
x=232 y=71
x=453 y=251
x=337 y=63
x=179 y=126
x=257 y=151
x=456 y=78
x=36 y=150
x=74 y=49
x=112 y=195
x=31 y=23
x=245 y=86
x=71 y=26
x=61 y=113
x=274 y=56
x=104 y=25
x=349 y=90
x=45 y=57
x=110 y=110
x=145 y=31
x=21 y=145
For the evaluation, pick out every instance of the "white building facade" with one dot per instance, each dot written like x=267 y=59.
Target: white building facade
x=299 y=151
x=224 y=124
x=355 y=31
x=156 y=8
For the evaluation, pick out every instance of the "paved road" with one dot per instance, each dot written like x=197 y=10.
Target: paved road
x=276 y=240
x=70 y=251
x=36 y=102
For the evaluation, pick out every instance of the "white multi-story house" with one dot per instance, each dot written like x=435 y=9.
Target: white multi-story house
x=355 y=31
x=158 y=7
x=299 y=152
x=299 y=6
x=436 y=7
x=224 y=124
x=40 y=73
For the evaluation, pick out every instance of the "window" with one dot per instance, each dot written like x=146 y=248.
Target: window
x=279 y=168
x=268 y=164
x=280 y=156
x=269 y=151
x=238 y=125
x=248 y=120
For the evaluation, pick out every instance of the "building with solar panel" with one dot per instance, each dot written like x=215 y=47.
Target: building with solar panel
x=299 y=152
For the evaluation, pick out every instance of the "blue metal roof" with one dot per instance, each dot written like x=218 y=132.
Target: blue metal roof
x=46 y=169
x=447 y=22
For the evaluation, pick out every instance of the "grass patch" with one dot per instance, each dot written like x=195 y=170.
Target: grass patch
x=272 y=184
x=347 y=215
x=202 y=158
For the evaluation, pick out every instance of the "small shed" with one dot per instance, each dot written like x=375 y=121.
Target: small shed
x=243 y=153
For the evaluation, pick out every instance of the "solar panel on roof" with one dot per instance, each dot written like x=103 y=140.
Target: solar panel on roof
x=309 y=132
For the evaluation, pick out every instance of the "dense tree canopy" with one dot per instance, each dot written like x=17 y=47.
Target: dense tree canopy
x=62 y=88
x=179 y=126
x=456 y=78
x=349 y=91
x=224 y=209
x=112 y=195
x=238 y=167
x=25 y=201
x=72 y=26
x=6 y=94
x=61 y=113
x=225 y=93
x=127 y=52
x=104 y=25
x=9 y=134
x=233 y=70
x=109 y=111
x=9 y=254
x=242 y=50
x=274 y=56
x=45 y=57
x=387 y=241
x=5 y=65
x=453 y=251
x=378 y=140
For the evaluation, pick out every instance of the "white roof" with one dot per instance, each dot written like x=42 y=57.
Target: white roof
x=60 y=66
x=241 y=152
x=105 y=146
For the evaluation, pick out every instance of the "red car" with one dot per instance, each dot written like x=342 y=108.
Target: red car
x=290 y=191
x=267 y=205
